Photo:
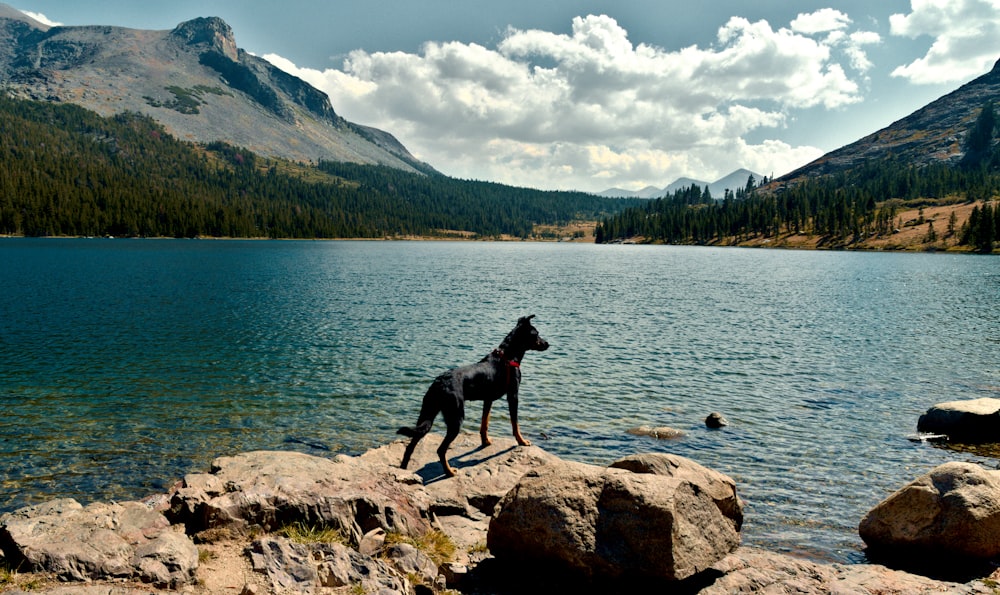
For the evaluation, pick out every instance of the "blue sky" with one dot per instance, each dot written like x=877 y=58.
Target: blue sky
x=595 y=94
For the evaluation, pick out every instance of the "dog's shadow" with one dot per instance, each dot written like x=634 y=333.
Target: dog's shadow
x=432 y=472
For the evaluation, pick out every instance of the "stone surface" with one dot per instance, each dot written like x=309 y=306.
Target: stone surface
x=952 y=511
x=719 y=487
x=637 y=487
x=272 y=489
x=972 y=421
x=660 y=433
x=750 y=570
x=99 y=541
x=612 y=522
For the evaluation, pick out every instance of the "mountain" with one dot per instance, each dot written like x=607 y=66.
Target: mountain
x=934 y=134
x=732 y=182
x=194 y=81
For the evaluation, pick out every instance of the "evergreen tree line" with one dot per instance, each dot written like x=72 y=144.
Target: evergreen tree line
x=844 y=207
x=65 y=170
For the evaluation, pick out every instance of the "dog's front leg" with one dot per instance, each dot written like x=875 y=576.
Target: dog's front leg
x=512 y=404
x=484 y=426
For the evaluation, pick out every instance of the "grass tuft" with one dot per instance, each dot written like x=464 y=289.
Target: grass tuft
x=302 y=533
x=436 y=544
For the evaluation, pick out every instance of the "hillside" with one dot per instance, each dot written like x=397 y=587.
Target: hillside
x=194 y=81
x=927 y=182
x=65 y=170
x=934 y=134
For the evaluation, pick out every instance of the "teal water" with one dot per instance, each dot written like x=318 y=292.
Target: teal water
x=125 y=364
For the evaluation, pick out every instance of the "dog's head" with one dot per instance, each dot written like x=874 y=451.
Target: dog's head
x=528 y=335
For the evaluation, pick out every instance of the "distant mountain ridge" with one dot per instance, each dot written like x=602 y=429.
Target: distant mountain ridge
x=195 y=81
x=732 y=182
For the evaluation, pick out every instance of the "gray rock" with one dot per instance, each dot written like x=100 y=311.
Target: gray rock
x=169 y=560
x=953 y=511
x=288 y=565
x=408 y=560
x=972 y=421
x=339 y=566
x=749 y=570
x=272 y=489
x=612 y=522
x=100 y=541
x=719 y=487
x=483 y=474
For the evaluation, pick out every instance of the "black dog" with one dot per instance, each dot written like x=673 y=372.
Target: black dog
x=496 y=374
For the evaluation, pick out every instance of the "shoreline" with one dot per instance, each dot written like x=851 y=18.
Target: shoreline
x=253 y=497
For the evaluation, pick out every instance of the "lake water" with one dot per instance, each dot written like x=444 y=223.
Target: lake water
x=125 y=364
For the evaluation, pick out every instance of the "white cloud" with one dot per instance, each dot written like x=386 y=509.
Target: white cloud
x=41 y=18
x=966 y=37
x=590 y=109
x=821 y=21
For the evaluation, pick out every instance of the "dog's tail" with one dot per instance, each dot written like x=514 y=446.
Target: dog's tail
x=421 y=429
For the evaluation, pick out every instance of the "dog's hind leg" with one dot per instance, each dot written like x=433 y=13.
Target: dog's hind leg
x=453 y=417
x=428 y=411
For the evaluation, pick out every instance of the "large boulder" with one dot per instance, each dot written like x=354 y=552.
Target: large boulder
x=951 y=513
x=971 y=421
x=271 y=489
x=99 y=541
x=611 y=522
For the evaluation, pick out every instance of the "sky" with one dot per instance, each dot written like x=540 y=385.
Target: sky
x=594 y=94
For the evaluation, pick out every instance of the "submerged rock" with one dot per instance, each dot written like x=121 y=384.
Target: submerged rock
x=660 y=433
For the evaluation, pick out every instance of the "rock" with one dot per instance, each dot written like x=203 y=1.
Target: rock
x=660 y=433
x=611 y=522
x=288 y=565
x=972 y=421
x=169 y=560
x=340 y=566
x=272 y=489
x=748 y=570
x=410 y=561
x=373 y=542
x=100 y=541
x=719 y=487
x=483 y=475
x=462 y=505
x=949 y=514
x=715 y=420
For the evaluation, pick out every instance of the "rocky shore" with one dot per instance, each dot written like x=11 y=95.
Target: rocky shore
x=513 y=520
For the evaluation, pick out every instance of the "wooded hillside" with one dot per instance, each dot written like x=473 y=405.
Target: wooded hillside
x=67 y=171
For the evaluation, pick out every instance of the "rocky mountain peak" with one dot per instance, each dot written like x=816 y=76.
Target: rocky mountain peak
x=209 y=31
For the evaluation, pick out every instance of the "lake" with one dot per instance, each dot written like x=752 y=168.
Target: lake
x=125 y=364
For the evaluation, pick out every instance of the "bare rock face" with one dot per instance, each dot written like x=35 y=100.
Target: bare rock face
x=970 y=421
x=612 y=522
x=750 y=570
x=271 y=489
x=952 y=512
x=719 y=487
x=99 y=541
